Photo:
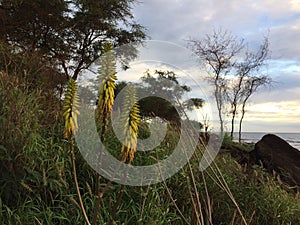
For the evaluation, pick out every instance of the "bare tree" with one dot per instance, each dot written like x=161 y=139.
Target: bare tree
x=250 y=86
x=218 y=51
x=233 y=70
x=234 y=97
x=246 y=72
x=206 y=125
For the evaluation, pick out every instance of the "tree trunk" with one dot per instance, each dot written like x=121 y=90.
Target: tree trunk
x=241 y=121
x=218 y=97
x=232 y=121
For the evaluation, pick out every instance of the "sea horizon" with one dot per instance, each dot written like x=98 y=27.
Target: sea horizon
x=292 y=138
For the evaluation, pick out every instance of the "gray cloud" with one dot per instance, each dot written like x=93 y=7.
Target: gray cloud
x=178 y=20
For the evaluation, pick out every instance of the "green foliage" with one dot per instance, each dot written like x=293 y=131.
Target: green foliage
x=30 y=67
x=230 y=144
x=69 y=34
x=155 y=106
x=49 y=197
x=19 y=125
x=32 y=158
x=164 y=83
x=35 y=164
x=259 y=195
x=227 y=140
x=165 y=92
x=194 y=102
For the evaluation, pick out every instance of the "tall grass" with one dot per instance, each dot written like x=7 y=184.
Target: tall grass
x=37 y=186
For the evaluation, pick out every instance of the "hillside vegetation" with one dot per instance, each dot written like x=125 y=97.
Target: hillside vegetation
x=45 y=46
x=37 y=185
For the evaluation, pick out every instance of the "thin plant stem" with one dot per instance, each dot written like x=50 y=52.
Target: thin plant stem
x=98 y=199
x=144 y=201
x=223 y=184
x=171 y=197
x=100 y=194
x=76 y=181
x=196 y=192
x=117 y=205
x=120 y=195
x=174 y=202
x=209 y=205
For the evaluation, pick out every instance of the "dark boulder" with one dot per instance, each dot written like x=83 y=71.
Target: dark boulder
x=276 y=154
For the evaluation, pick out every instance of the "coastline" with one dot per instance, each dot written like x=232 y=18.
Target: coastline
x=272 y=152
x=252 y=137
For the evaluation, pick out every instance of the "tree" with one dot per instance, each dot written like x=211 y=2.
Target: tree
x=232 y=71
x=194 y=102
x=234 y=94
x=69 y=34
x=250 y=86
x=218 y=52
x=30 y=66
x=247 y=81
x=166 y=85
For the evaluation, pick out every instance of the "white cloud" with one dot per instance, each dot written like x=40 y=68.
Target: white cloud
x=295 y=5
x=281 y=116
x=286 y=109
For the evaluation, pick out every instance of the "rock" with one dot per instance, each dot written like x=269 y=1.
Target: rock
x=276 y=154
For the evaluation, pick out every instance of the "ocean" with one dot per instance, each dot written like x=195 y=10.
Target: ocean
x=252 y=137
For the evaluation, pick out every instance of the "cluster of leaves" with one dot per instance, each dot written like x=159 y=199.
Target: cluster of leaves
x=165 y=96
x=69 y=34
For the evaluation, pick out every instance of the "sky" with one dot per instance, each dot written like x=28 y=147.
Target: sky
x=275 y=109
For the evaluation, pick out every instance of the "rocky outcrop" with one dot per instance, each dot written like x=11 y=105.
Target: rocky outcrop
x=276 y=154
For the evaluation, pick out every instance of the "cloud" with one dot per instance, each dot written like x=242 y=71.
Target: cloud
x=272 y=117
x=284 y=39
x=178 y=20
x=286 y=109
x=286 y=87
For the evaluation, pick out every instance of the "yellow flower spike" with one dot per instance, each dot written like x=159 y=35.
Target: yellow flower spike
x=70 y=108
x=131 y=120
x=107 y=79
